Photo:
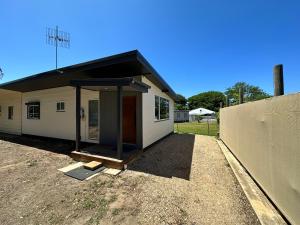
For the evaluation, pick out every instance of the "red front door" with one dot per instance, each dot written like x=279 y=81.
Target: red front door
x=129 y=119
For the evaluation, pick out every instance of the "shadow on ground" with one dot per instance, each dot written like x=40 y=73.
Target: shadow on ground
x=47 y=144
x=171 y=157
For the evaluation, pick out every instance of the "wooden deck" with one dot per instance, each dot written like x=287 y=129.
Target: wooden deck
x=106 y=155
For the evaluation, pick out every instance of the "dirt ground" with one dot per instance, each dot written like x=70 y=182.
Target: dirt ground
x=184 y=179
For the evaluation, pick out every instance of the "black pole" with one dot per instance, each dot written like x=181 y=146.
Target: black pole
x=99 y=107
x=78 y=105
x=241 y=95
x=56 y=44
x=227 y=100
x=119 y=122
x=278 y=80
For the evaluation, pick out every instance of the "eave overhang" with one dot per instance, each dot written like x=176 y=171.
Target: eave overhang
x=111 y=84
x=128 y=64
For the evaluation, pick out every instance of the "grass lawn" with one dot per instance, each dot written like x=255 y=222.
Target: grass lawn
x=197 y=128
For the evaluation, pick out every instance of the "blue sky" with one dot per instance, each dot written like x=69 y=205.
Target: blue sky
x=195 y=45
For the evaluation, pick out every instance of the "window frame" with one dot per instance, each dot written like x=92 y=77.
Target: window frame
x=159 y=108
x=34 y=115
x=156 y=108
x=59 y=108
x=165 y=103
x=10 y=114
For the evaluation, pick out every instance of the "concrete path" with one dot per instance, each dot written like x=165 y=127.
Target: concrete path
x=190 y=182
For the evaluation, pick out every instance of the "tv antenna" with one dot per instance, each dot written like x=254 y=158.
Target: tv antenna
x=57 y=38
x=1 y=74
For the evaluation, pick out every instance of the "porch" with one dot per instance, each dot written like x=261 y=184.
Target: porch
x=117 y=121
x=107 y=155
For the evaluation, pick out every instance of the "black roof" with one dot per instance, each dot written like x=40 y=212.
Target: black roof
x=128 y=64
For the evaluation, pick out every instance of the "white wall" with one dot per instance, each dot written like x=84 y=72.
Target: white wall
x=62 y=124
x=265 y=136
x=155 y=130
x=10 y=98
x=56 y=124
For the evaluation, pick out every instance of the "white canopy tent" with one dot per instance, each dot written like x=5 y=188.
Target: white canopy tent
x=201 y=112
x=206 y=113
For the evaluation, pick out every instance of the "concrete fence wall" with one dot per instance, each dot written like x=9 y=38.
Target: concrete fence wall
x=265 y=137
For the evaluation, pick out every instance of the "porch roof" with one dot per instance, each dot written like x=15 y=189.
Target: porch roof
x=111 y=84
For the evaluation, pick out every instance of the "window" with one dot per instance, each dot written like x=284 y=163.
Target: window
x=161 y=108
x=33 y=110
x=60 y=106
x=156 y=108
x=164 y=109
x=10 y=112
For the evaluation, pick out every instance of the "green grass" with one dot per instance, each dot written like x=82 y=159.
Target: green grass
x=197 y=128
x=116 y=211
x=101 y=205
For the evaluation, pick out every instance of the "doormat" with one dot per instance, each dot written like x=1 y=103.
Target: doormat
x=81 y=173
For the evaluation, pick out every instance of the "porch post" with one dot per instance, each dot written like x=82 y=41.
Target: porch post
x=99 y=118
x=119 y=122
x=78 y=104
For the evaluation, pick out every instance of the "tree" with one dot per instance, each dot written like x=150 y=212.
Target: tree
x=1 y=73
x=181 y=102
x=251 y=93
x=209 y=100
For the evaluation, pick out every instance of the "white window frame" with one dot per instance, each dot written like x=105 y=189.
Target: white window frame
x=59 y=106
x=159 y=114
x=33 y=115
x=156 y=119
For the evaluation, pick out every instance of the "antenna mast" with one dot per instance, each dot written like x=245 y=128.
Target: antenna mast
x=57 y=38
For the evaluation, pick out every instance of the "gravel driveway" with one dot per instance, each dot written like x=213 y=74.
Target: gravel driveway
x=184 y=179
x=191 y=183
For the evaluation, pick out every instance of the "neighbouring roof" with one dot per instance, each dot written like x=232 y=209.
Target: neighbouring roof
x=200 y=112
x=122 y=65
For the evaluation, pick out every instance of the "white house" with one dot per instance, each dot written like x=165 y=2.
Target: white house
x=109 y=101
